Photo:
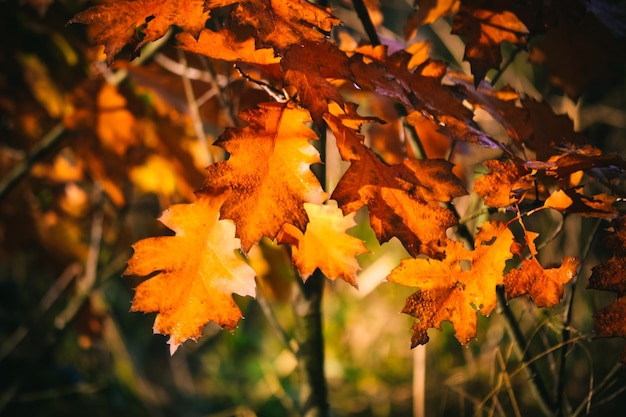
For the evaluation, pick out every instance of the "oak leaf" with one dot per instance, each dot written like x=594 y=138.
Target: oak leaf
x=545 y=286
x=303 y=69
x=549 y=130
x=484 y=31
x=504 y=185
x=455 y=288
x=325 y=243
x=137 y=22
x=226 y=46
x=268 y=172
x=198 y=270
x=279 y=24
x=573 y=200
x=402 y=199
x=611 y=276
x=577 y=52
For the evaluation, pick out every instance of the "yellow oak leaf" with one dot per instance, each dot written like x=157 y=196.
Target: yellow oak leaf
x=325 y=243
x=198 y=270
x=456 y=288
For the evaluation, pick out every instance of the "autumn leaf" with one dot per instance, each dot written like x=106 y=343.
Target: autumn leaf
x=198 y=270
x=611 y=276
x=455 y=288
x=280 y=24
x=325 y=243
x=402 y=199
x=226 y=46
x=578 y=51
x=268 y=172
x=545 y=286
x=137 y=22
x=484 y=31
x=582 y=158
x=309 y=75
x=429 y=11
x=505 y=184
x=558 y=200
x=549 y=130
x=115 y=124
x=573 y=200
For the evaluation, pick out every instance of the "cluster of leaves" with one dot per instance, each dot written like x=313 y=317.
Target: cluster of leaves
x=266 y=187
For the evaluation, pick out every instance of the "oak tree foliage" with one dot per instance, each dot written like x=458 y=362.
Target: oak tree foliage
x=266 y=189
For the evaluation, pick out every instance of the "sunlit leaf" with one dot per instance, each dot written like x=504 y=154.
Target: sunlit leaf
x=457 y=287
x=325 y=243
x=268 y=172
x=198 y=270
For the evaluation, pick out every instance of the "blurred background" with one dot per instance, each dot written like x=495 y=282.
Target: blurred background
x=89 y=157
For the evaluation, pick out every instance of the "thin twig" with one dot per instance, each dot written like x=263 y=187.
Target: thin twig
x=524 y=367
x=544 y=397
x=289 y=343
x=194 y=111
x=51 y=138
x=277 y=95
x=507 y=383
x=366 y=20
x=223 y=96
x=87 y=281
x=567 y=319
x=505 y=65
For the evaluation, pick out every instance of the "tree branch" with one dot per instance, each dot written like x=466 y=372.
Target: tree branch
x=309 y=335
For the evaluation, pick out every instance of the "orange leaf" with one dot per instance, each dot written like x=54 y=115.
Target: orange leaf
x=226 y=46
x=429 y=11
x=268 y=171
x=198 y=271
x=325 y=243
x=573 y=200
x=280 y=24
x=504 y=185
x=611 y=276
x=456 y=288
x=545 y=286
x=309 y=75
x=122 y=21
x=402 y=199
x=558 y=200
x=484 y=31
x=115 y=124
